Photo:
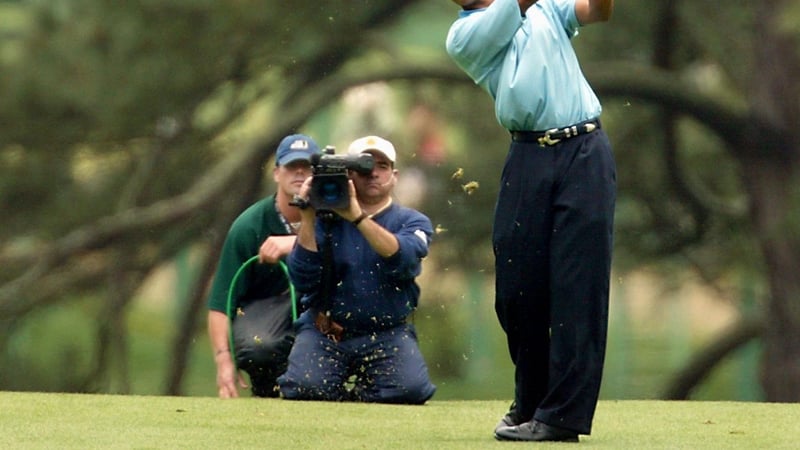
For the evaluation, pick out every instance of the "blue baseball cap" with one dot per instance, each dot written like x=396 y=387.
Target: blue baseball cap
x=296 y=147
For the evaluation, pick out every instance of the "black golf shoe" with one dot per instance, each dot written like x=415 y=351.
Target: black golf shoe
x=511 y=419
x=535 y=431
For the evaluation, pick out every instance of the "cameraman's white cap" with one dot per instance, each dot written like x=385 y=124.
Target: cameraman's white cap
x=373 y=143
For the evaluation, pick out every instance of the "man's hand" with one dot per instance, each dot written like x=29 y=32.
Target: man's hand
x=305 y=236
x=303 y=195
x=228 y=376
x=354 y=209
x=275 y=248
x=592 y=11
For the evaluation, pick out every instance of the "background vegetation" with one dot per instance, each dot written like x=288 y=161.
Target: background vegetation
x=134 y=132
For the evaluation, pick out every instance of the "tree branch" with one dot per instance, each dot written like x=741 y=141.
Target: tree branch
x=701 y=364
x=662 y=88
x=658 y=87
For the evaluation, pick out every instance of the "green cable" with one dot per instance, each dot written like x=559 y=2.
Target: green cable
x=229 y=306
x=292 y=294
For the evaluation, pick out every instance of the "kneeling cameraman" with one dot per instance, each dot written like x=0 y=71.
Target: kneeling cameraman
x=357 y=267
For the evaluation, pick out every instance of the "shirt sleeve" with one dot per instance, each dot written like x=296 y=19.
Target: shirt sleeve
x=477 y=39
x=305 y=268
x=414 y=239
x=563 y=12
x=235 y=251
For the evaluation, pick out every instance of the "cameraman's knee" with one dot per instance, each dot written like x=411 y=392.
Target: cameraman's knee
x=309 y=389
x=408 y=394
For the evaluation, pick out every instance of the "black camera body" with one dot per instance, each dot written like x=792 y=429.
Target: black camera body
x=329 y=187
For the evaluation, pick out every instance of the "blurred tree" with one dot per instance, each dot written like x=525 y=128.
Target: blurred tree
x=121 y=152
x=721 y=193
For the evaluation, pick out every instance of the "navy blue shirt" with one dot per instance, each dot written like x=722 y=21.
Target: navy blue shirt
x=371 y=293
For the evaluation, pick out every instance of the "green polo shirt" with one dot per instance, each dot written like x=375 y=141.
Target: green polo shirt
x=257 y=281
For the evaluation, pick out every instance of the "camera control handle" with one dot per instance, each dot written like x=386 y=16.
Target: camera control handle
x=299 y=202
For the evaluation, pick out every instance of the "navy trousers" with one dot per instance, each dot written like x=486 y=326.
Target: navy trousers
x=382 y=367
x=552 y=239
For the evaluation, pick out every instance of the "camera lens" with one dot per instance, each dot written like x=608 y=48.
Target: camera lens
x=330 y=192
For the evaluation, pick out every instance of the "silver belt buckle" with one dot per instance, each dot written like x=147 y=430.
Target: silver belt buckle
x=547 y=140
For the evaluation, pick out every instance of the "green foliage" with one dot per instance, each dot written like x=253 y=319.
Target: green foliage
x=60 y=337
x=457 y=330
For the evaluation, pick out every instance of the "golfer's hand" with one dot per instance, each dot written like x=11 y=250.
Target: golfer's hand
x=228 y=377
x=275 y=248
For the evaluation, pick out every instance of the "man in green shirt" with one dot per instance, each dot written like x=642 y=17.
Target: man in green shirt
x=260 y=314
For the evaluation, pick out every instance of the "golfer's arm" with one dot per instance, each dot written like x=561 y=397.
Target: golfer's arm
x=592 y=11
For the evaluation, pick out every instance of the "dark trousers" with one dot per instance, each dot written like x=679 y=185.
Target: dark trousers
x=386 y=367
x=552 y=240
x=263 y=336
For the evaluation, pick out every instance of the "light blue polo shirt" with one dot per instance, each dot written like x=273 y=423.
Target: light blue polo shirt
x=527 y=64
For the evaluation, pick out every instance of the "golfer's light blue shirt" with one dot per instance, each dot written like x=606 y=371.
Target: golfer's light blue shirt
x=527 y=64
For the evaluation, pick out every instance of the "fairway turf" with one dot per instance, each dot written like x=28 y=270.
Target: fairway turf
x=83 y=421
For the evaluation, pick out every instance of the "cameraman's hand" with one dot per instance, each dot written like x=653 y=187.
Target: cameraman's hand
x=309 y=212
x=305 y=188
x=354 y=209
x=305 y=236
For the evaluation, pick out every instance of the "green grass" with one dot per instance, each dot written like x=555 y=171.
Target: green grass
x=82 y=421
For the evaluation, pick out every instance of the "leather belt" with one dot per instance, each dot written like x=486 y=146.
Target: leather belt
x=555 y=135
x=337 y=333
x=327 y=326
